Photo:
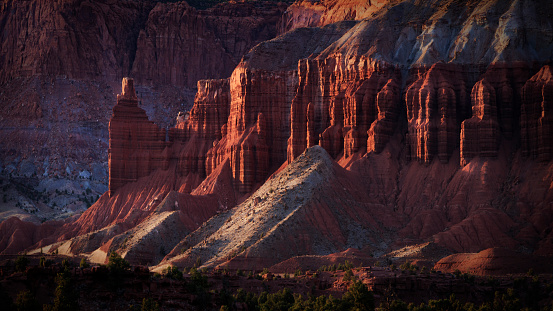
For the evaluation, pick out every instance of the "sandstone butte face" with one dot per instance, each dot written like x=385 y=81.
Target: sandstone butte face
x=197 y=131
x=74 y=53
x=343 y=111
x=435 y=102
x=136 y=144
x=320 y=13
x=536 y=116
x=181 y=45
x=69 y=38
x=400 y=104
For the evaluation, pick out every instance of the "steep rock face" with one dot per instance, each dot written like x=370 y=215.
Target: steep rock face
x=69 y=38
x=62 y=61
x=198 y=130
x=320 y=13
x=496 y=103
x=261 y=88
x=246 y=136
x=138 y=146
x=536 y=120
x=436 y=102
x=177 y=48
x=136 y=143
x=343 y=110
x=181 y=45
x=77 y=39
x=480 y=134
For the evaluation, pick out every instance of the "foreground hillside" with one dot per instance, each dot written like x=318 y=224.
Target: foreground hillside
x=424 y=125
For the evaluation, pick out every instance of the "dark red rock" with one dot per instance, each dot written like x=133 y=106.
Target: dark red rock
x=181 y=45
x=480 y=135
x=494 y=261
x=383 y=127
x=251 y=141
x=436 y=103
x=338 y=110
x=76 y=39
x=136 y=143
x=200 y=129
x=536 y=120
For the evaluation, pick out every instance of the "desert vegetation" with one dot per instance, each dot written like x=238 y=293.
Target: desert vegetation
x=71 y=286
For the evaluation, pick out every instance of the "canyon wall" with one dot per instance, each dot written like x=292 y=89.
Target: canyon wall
x=160 y=44
x=136 y=144
x=61 y=66
x=440 y=111
x=321 y=13
x=181 y=45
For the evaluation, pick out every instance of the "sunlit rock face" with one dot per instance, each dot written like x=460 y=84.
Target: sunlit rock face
x=421 y=121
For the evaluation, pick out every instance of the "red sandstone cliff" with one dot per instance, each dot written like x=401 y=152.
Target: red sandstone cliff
x=62 y=63
x=320 y=13
x=181 y=45
x=136 y=144
x=423 y=106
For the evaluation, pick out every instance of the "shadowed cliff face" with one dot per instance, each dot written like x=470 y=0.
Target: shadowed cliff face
x=435 y=118
x=61 y=67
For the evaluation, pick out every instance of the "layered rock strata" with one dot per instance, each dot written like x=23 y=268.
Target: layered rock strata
x=435 y=102
x=75 y=39
x=199 y=130
x=320 y=13
x=536 y=119
x=480 y=134
x=181 y=45
x=343 y=111
x=136 y=144
x=496 y=104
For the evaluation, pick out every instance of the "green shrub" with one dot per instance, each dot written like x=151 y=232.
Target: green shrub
x=198 y=281
x=358 y=297
x=21 y=263
x=148 y=304
x=172 y=272
x=26 y=301
x=348 y=276
x=65 y=296
x=84 y=263
x=116 y=264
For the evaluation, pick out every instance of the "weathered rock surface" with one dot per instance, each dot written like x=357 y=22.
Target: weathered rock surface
x=435 y=103
x=321 y=13
x=69 y=38
x=423 y=106
x=494 y=261
x=136 y=144
x=536 y=118
x=198 y=130
x=60 y=70
x=480 y=134
x=313 y=206
x=337 y=109
x=181 y=45
x=255 y=136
